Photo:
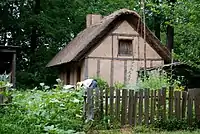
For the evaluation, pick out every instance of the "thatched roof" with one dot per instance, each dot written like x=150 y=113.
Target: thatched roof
x=86 y=39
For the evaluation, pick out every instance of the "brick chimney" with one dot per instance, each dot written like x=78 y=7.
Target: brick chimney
x=93 y=19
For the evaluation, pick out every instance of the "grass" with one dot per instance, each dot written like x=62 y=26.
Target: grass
x=122 y=131
x=142 y=130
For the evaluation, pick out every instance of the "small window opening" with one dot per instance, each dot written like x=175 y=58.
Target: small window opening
x=125 y=47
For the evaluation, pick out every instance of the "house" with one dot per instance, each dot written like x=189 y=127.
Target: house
x=110 y=47
x=8 y=62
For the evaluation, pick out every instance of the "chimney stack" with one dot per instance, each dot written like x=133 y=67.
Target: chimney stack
x=93 y=19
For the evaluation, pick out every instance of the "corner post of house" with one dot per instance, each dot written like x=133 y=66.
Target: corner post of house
x=13 y=74
x=112 y=65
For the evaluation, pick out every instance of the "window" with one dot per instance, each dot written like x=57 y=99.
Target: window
x=125 y=47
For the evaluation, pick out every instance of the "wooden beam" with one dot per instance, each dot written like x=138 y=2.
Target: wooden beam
x=125 y=72
x=98 y=67
x=124 y=34
x=86 y=68
x=7 y=51
x=131 y=58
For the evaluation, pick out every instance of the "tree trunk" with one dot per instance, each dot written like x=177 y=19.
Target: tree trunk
x=34 y=35
x=157 y=27
x=170 y=37
x=157 y=22
x=170 y=30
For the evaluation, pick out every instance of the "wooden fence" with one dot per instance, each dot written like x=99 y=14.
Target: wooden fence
x=141 y=107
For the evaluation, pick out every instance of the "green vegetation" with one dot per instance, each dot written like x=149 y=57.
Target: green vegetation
x=54 y=111
x=60 y=111
x=148 y=132
x=143 y=130
x=155 y=80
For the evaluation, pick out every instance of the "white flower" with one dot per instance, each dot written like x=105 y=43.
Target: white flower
x=9 y=84
x=58 y=80
x=76 y=100
x=68 y=87
x=46 y=87
x=42 y=84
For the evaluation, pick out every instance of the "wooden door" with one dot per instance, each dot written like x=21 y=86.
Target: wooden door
x=78 y=74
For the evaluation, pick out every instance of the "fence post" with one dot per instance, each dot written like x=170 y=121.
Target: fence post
x=89 y=105
x=97 y=106
x=1 y=99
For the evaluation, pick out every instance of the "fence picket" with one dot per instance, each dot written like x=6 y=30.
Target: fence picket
x=140 y=106
x=146 y=106
x=106 y=101
x=124 y=106
x=177 y=104
x=159 y=104
x=171 y=98
x=135 y=108
x=118 y=103
x=164 y=103
x=189 y=107
x=101 y=103
x=97 y=106
x=153 y=102
x=111 y=100
x=130 y=107
x=184 y=102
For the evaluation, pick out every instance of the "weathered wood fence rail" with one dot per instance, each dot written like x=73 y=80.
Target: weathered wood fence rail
x=141 y=107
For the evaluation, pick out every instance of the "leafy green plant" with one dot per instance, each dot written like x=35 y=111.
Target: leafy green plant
x=174 y=124
x=102 y=84
x=118 y=85
x=54 y=111
x=156 y=79
x=4 y=77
